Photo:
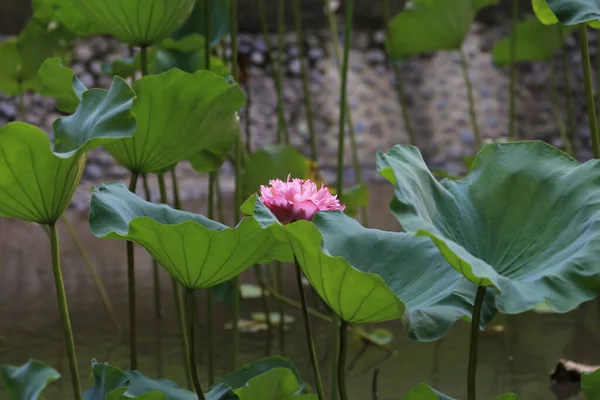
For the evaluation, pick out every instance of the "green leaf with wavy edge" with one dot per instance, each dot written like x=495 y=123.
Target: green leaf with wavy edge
x=590 y=385
x=178 y=115
x=273 y=162
x=369 y=275
x=61 y=83
x=425 y=392
x=137 y=22
x=573 y=12
x=535 y=42
x=27 y=381
x=36 y=183
x=524 y=221
x=219 y=20
x=432 y=25
x=194 y=250
x=277 y=384
x=106 y=379
x=23 y=55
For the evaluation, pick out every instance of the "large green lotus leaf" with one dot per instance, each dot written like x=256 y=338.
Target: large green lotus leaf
x=273 y=162
x=535 y=42
x=194 y=250
x=277 y=384
x=544 y=13
x=137 y=22
x=27 y=381
x=23 y=55
x=61 y=83
x=369 y=275
x=37 y=184
x=524 y=221
x=432 y=25
x=590 y=385
x=425 y=392
x=178 y=115
x=106 y=379
x=573 y=12
x=219 y=20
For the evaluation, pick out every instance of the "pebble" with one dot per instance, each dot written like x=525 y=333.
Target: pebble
x=9 y=110
x=315 y=53
x=467 y=137
x=258 y=58
x=376 y=56
x=87 y=79
x=84 y=53
x=294 y=67
x=93 y=171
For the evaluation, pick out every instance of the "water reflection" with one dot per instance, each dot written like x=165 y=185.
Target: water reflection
x=517 y=352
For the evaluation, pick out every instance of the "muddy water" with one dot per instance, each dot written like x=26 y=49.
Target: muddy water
x=516 y=353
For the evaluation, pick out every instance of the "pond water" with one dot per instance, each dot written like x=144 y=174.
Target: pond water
x=517 y=353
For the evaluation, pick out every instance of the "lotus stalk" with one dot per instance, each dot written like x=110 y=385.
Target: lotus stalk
x=464 y=65
x=589 y=91
x=191 y=302
x=513 y=72
x=131 y=289
x=474 y=344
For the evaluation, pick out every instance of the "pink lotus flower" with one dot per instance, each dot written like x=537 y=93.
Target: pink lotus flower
x=297 y=199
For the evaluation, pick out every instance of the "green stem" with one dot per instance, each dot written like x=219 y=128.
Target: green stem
x=210 y=325
x=567 y=93
x=342 y=360
x=178 y=300
x=399 y=80
x=465 y=71
x=589 y=93
x=192 y=351
x=309 y=339
x=144 y=60
x=64 y=311
x=131 y=289
x=207 y=34
x=475 y=323
x=597 y=75
x=305 y=80
x=513 y=71
x=264 y=298
x=557 y=111
x=280 y=47
x=155 y=274
x=276 y=74
x=92 y=271
x=176 y=196
x=21 y=103
x=235 y=330
x=278 y=281
x=344 y=97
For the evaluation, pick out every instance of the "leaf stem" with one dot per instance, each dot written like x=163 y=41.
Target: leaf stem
x=342 y=360
x=305 y=81
x=465 y=71
x=235 y=330
x=557 y=111
x=589 y=93
x=280 y=46
x=131 y=289
x=178 y=300
x=144 y=60
x=475 y=323
x=276 y=74
x=399 y=80
x=309 y=338
x=155 y=275
x=192 y=351
x=264 y=298
x=64 y=311
x=513 y=72
x=92 y=271
x=567 y=92
x=21 y=103
x=207 y=38
x=210 y=324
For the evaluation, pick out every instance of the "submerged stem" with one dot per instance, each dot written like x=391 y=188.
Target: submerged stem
x=192 y=351
x=131 y=289
x=309 y=339
x=465 y=70
x=210 y=323
x=305 y=81
x=513 y=71
x=155 y=275
x=178 y=301
x=64 y=311
x=92 y=271
x=399 y=80
x=567 y=93
x=589 y=93
x=475 y=323
x=342 y=360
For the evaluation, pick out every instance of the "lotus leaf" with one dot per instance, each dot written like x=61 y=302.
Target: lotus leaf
x=432 y=25
x=573 y=12
x=176 y=121
x=369 y=275
x=194 y=250
x=61 y=83
x=27 y=381
x=277 y=384
x=590 y=385
x=37 y=183
x=535 y=42
x=219 y=20
x=137 y=22
x=524 y=221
